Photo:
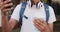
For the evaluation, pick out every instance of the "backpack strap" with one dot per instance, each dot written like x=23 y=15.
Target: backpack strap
x=22 y=11
x=47 y=11
x=24 y=6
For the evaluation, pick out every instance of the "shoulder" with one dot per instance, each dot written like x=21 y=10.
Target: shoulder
x=15 y=14
x=50 y=8
x=17 y=8
x=19 y=5
x=52 y=17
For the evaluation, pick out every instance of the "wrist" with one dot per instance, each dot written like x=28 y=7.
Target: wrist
x=9 y=30
x=47 y=30
x=4 y=14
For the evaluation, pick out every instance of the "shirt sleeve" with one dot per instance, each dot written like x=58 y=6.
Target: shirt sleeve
x=15 y=14
x=52 y=17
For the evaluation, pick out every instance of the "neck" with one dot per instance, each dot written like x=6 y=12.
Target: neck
x=35 y=2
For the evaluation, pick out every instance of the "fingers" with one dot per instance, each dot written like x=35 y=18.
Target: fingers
x=37 y=20
x=40 y=24
x=7 y=1
x=1 y=4
x=6 y=9
x=7 y=5
x=0 y=0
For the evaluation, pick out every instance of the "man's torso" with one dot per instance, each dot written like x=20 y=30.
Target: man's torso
x=31 y=13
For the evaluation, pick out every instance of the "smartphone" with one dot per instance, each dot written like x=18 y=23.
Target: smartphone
x=0 y=19
x=0 y=16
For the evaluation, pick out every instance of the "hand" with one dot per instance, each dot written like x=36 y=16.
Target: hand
x=5 y=6
x=41 y=25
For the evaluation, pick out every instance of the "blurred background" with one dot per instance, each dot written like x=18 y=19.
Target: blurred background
x=54 y=3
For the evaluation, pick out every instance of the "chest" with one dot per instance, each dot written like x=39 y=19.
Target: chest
x=33 y=12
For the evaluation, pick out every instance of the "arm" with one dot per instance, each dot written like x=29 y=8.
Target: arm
x=14 y=18
x=50 y=25
x=4 y=22
x=4 y=9
x=11 y=24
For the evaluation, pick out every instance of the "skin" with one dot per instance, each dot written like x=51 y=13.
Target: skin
x=43 y=26
x=39 y=23
x=4 y=10
x=35 y=1
x=4 y=5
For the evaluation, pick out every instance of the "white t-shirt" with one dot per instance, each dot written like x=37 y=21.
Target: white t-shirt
x=31 y=13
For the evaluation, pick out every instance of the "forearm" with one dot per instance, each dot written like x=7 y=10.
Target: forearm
x=4 y=22
x=11 y=25
x=49 y=29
